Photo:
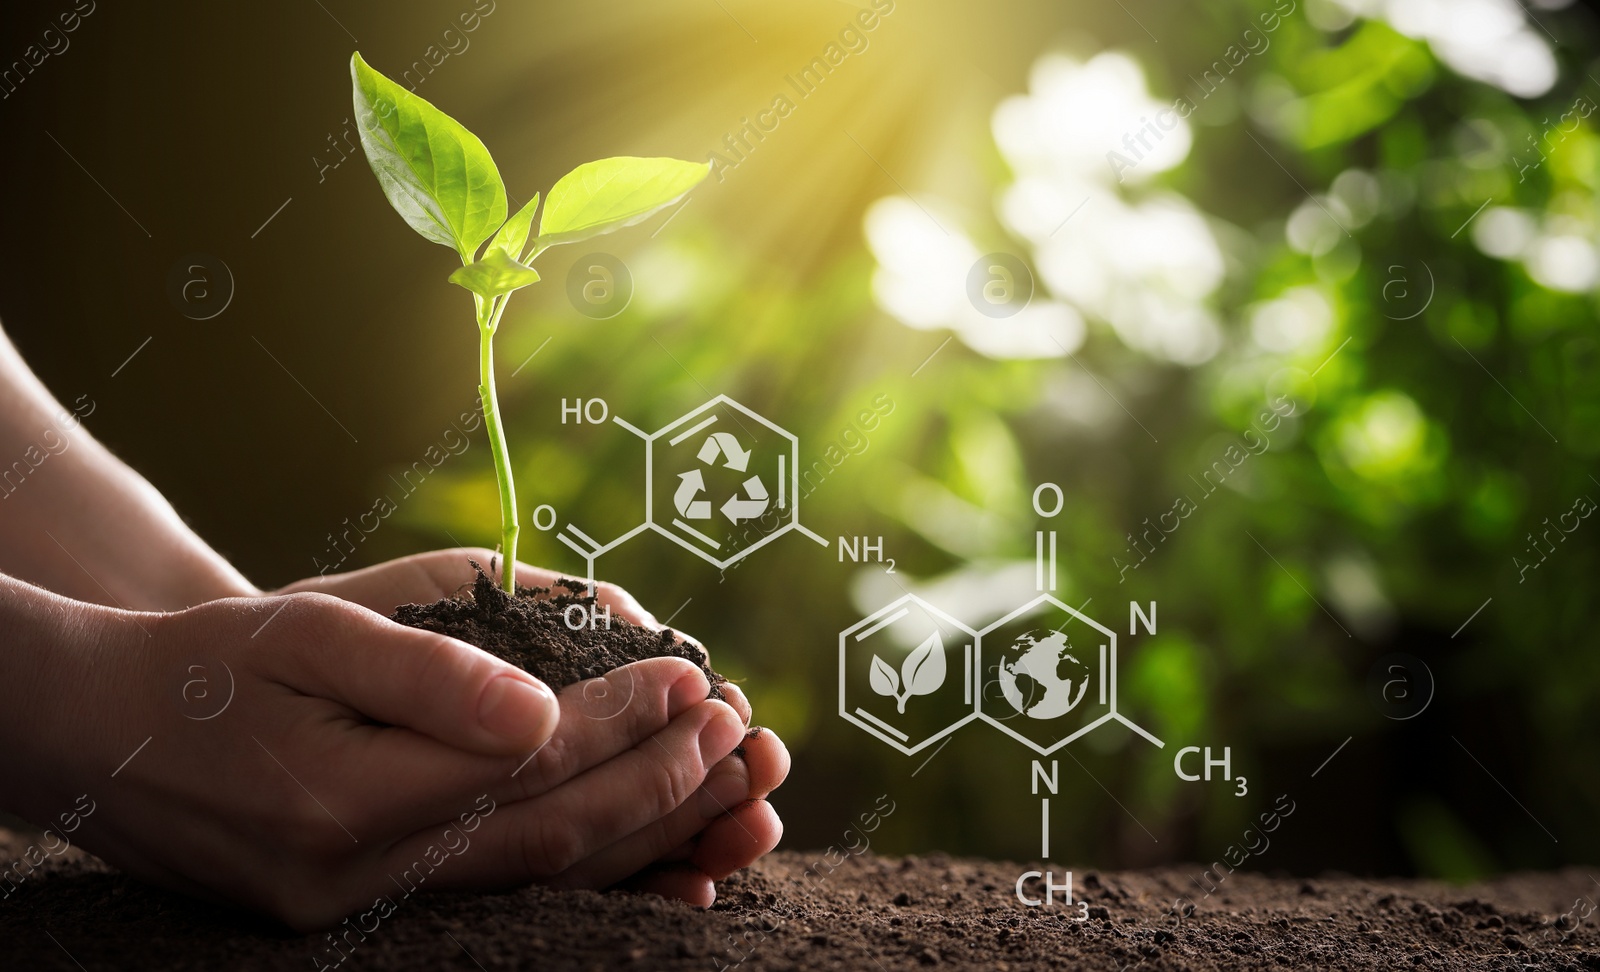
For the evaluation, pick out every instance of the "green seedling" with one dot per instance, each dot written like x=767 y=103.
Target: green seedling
x=444 y=184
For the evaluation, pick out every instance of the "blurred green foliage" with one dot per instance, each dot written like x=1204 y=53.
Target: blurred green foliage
x=1385 y=513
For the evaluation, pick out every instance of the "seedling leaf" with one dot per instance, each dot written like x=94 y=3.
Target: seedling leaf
x=442 y=181
x=511 y=237
x=437 y=175
x=494 y=275
x=599 y=197
x=884 y=680
x=923 y=669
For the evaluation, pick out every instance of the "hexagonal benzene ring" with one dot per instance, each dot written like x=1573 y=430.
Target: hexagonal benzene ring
x=1047 y=680
x=890 y=683
x=722 y=481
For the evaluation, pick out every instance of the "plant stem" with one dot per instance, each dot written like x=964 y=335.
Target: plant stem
x=488 y=322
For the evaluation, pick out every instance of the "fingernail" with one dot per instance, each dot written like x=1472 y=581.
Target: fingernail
x=720 y=734
x=687 y=691
x=723 y=791
x=513 y=708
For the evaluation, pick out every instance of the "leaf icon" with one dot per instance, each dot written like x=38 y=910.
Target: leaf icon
x=924 y=669
x=884 y=680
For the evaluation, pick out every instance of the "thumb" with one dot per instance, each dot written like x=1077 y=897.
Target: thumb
x=436 y=685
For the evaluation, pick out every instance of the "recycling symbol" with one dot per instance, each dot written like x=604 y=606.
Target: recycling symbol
x=692 y=483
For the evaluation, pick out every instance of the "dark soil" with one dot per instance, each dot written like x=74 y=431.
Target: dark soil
x=869 y=914
x=530 y=631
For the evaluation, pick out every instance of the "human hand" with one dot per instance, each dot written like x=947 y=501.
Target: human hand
x=331 y=748
x=690 y=863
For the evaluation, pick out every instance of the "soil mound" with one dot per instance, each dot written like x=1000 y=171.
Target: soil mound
x=531 y=631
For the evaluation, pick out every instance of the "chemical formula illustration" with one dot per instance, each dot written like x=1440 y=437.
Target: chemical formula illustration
x=910 y=674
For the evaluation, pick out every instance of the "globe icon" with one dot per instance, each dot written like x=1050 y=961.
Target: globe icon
x=1039 y=677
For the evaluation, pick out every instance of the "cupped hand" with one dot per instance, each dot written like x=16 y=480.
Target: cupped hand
x=296 y=754
x=691 y=858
